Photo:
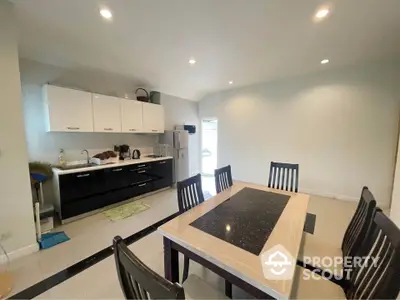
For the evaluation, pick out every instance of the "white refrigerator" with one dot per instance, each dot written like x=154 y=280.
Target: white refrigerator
x=178 y=140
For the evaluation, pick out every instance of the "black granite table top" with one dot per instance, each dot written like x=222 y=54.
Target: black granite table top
x=245 y=220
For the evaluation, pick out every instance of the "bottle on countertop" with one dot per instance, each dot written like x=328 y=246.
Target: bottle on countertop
x=61 y=159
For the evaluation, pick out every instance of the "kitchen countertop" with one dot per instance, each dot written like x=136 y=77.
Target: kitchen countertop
x=121 y=163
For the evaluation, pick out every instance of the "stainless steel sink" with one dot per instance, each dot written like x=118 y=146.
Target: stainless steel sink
x=72 y=167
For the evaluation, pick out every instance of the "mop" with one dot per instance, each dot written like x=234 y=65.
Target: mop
x=48 y=240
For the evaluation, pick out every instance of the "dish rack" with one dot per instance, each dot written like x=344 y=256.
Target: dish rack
x=100 y=162
x=163 y=150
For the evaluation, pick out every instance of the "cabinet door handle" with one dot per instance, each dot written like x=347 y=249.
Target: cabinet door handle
x=144 y=171
x=117 y=170
x=154 y=130
x=132 y=129
x=108 y=129
x=139 y=166
x=83 y=175
x=163 y=162
x=143 y=184
x=73 y=128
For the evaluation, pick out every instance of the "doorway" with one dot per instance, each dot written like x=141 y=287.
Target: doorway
x=209 y=146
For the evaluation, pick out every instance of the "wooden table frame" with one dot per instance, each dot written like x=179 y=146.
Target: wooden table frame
x=235 y=265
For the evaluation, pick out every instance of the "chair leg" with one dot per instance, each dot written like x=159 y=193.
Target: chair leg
x=185 y=268
x=228 y=289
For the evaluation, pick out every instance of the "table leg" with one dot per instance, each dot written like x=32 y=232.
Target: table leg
x=171 y=262
x=228 y=289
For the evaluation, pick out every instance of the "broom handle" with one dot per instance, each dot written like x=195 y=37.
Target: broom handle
x=38 y=229
x=41 y=193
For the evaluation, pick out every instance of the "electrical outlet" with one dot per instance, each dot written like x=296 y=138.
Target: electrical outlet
x=5 y=236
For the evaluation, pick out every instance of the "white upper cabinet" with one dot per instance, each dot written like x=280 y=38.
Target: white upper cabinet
x=131 y=116
x=153 y=118
x=68 y=110
x=106 y=113
x=71 y=110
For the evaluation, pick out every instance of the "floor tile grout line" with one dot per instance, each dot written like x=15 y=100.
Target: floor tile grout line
x=69 y=272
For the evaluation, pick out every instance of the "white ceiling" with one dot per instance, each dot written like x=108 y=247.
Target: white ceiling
x=247 y=41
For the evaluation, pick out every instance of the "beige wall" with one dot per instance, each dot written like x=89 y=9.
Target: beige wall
x=395 y=207
x=16 y=213
x=341 y=126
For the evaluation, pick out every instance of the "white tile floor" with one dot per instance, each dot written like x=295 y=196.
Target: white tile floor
x=94 y=233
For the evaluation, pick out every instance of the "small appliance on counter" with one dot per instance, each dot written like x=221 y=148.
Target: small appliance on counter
x=124 y=151
x=136 y=154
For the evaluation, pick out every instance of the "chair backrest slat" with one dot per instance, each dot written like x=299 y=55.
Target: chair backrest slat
x=137 y=280
x=190 y=193
x=223 y=178
x=284 y=176
x=377 y=277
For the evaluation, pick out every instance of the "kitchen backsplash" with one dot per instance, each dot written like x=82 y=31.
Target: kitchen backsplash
x=76 y=155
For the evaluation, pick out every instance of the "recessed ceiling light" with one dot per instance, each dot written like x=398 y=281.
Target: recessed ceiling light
x=324 y=61
x=322 y=13
x=192 y=61
x=105 y=13
x=230 y=82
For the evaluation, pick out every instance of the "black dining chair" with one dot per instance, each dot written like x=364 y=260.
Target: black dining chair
x=361 y=220
x=284 y=176
x=223 y=178
x=138 y=281
x=375 y=277
x=353 y=238
x=378 y=277
x=190 y=194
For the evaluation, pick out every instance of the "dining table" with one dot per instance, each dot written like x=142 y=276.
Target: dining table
x=238 y=234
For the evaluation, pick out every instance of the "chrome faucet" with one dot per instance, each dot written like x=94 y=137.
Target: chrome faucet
x=87 y=155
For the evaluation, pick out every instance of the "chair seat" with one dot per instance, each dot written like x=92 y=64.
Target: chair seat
x=315 y=287
x=197 y=288
x=313 y=247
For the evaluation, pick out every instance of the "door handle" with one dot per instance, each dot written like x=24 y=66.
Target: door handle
x=73 y=128
x=144 y=171
x=154 y=130
x=163 y=162
x=132 y=129
x=117 y=170
x=143 y=184
x=108 y=129
x=139 y=166
x=83 y=175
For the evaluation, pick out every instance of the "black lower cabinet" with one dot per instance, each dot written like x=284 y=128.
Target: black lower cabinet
x=162 y=171
x=82 y=206
x=81 y=193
